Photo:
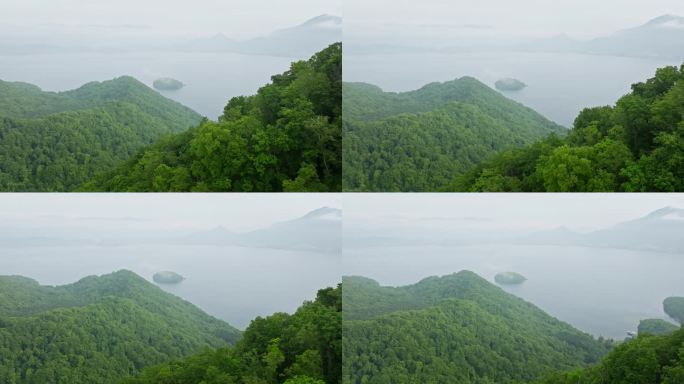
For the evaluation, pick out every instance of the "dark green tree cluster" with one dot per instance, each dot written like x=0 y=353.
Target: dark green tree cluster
x=302 y=348
x=674 y=307
x=454 y=329
x=635 y=146
x=647 y=359
x=57 y=141
x=287 y=137
x=656 y=327
x=420 y=140
x=97 y=330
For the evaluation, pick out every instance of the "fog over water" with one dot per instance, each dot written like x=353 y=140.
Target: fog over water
x=59 y=239
x=596 y=285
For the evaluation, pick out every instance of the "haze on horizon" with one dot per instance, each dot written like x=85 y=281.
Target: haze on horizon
x=506 y=212
x=439 y=22
x=130 y=20
x=98 y=213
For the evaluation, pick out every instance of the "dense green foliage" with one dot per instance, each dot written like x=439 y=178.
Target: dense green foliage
x=635 y=146
x=303 y=348
x=656 y=327
x=674 y=307
x=57 y=141
x=287 y=137
x=453 y=329
x=421 y=140
x=97 y=330
x=647 y=359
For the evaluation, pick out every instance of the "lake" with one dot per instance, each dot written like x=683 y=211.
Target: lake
x=558 y=85
x=232 y=283
x=210 y=79
x=601 y=291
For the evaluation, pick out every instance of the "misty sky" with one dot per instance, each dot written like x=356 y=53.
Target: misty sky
x=100 y=212
x=396 y=20
x=581 y=212
x=150 y=18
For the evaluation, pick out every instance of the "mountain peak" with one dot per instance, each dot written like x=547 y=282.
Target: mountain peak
x=666 y=21
x=324 y=20
x=324 y=213
x=666 y=213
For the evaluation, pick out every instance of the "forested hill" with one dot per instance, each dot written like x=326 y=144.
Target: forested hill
x=637 y=145
x=421 y=140
x=97 y=330
x=287 y=137
x=458 y=329
x=57 y=141
x=302 y=348
x=645 y=360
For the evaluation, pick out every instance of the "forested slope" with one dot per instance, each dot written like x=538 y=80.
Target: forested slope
x=637 y=145
x=645 y=360
x=57 y=141
x=286 y=137
x=97 y=330
x=421 y=140
x=453 y=329
x=302 y=348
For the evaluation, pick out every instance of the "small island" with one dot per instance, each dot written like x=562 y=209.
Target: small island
x=674 y=307
x=167 y=84
x=509 y=278
x=167 y=277
x=656 y=327
x=509 y=84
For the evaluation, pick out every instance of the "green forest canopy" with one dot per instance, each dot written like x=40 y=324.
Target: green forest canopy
x=637 y=145
x=302 y=348
x=647 y=359
x=674 y=307
x=57 y=141
x=287 y=137
x=420 y=140
x=97 y=330
x=457 y=328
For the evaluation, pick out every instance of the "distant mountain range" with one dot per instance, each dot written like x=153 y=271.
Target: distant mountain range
x=317 y=231
x=297 y=41
x=662 y=37
x=660 y=230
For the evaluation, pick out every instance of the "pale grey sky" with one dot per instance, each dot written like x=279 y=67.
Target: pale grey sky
x=235 y=18
x=581 y=212
x=446 y=19
x=100 y=212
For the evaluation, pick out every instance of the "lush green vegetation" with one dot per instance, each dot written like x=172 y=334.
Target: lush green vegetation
x=674 y=307
x=454 y=329
x=287 y=137
x=302 y=348
x=57 y=141
x=656 y=327
x=636 y=145
x=97 y=330
x=421 y=140
x=647 y=359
